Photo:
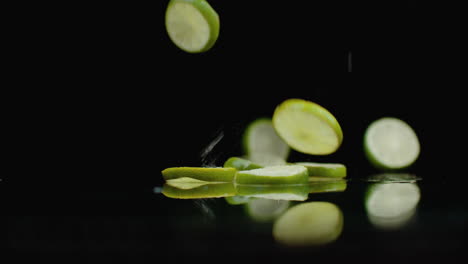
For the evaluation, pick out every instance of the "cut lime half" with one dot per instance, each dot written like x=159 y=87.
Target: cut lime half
x=307 y=127
x=193 y=25
x=390 y=144
x=260 y=139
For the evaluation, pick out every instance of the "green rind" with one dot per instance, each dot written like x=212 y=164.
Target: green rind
x=209 y=14
x=319 y=112
x=205 y=191
x=217 y=174
x=241 y=164
x=247 y=133
x=247 y=177
x=334 y=170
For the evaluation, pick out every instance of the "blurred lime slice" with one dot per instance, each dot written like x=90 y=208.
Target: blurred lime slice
x=335 y=170
x=240 y=164
x=390 y=143
x=307 y=127
x=192 y=25
x=265 y=210
x=213 y=190
x=200 y=173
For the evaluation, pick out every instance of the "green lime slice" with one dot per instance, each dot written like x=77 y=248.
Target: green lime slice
x=200 y=173
x=186 y=183
x=213 y=190
x=260 y=139
x=391 y=200
x=326 y=184
x=390 y=144
x=283 y=174
x=335 y=170
x=265 y=210
x=192 y=25
x=309 y=224
x=290 y=192
x=307 y=127
x=266 y=159
x=240 y=164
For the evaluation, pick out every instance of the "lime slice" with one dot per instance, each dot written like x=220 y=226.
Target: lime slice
x=309 y=224
x=290 y=192
x=307 y=127
x=240 y=164
x=260 y=138
x=186 y=183
x=266 y=159
x=335 y=170
x=213 y=190
x=390 y=143
x=266 y=210
x=283 y=174
x=237 y=199
x=192 y=25
x=200 y=173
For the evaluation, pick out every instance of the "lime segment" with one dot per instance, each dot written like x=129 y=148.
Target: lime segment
x=307 y=127
x=192 y=25
x=336 y=170
x=283 y=174
x=390 y=143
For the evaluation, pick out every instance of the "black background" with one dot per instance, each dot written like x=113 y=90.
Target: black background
x=114 y=101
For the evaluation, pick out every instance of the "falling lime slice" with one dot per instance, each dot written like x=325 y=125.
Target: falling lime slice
x=260 y=139
x=193 y=25
x=266 y=210
x=390 y=143
x=336 y=170
x=214 y=190
x=307 y=127
x=240 y=164
x=309 y=224
x=284 y=174
x=200 y=173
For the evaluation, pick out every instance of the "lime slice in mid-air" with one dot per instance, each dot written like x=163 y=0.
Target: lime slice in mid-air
x=307 y=127
x=390 y=143
x=200 y=173
x=193 y=25
x=260 y=139
x=309 y=224
x=336 y=170
x=283 y=174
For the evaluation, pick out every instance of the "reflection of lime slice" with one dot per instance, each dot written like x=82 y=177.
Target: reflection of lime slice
x=200 y=173
x=312 y=223
x=293 y=192
x=266 y=210
x=390 y=143
x=238 y=199
x=240 y=164
x=193 y=25
x=390 y=200
x=337 y=170
x=393 y=177
x=307 y=127
x=326 y=184
x=285 y=174
x=213 y=190
x=260 y=138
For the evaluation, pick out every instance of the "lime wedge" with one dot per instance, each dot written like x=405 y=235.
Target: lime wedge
x=309 y=224
x=390 y=144
x=213 y=190
x=266 y=210
x=200 y=173
x=260 y=139
x=283 y=174
x=335 y=170
x=192 y=25
x=307 y=127
x=240 y=164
